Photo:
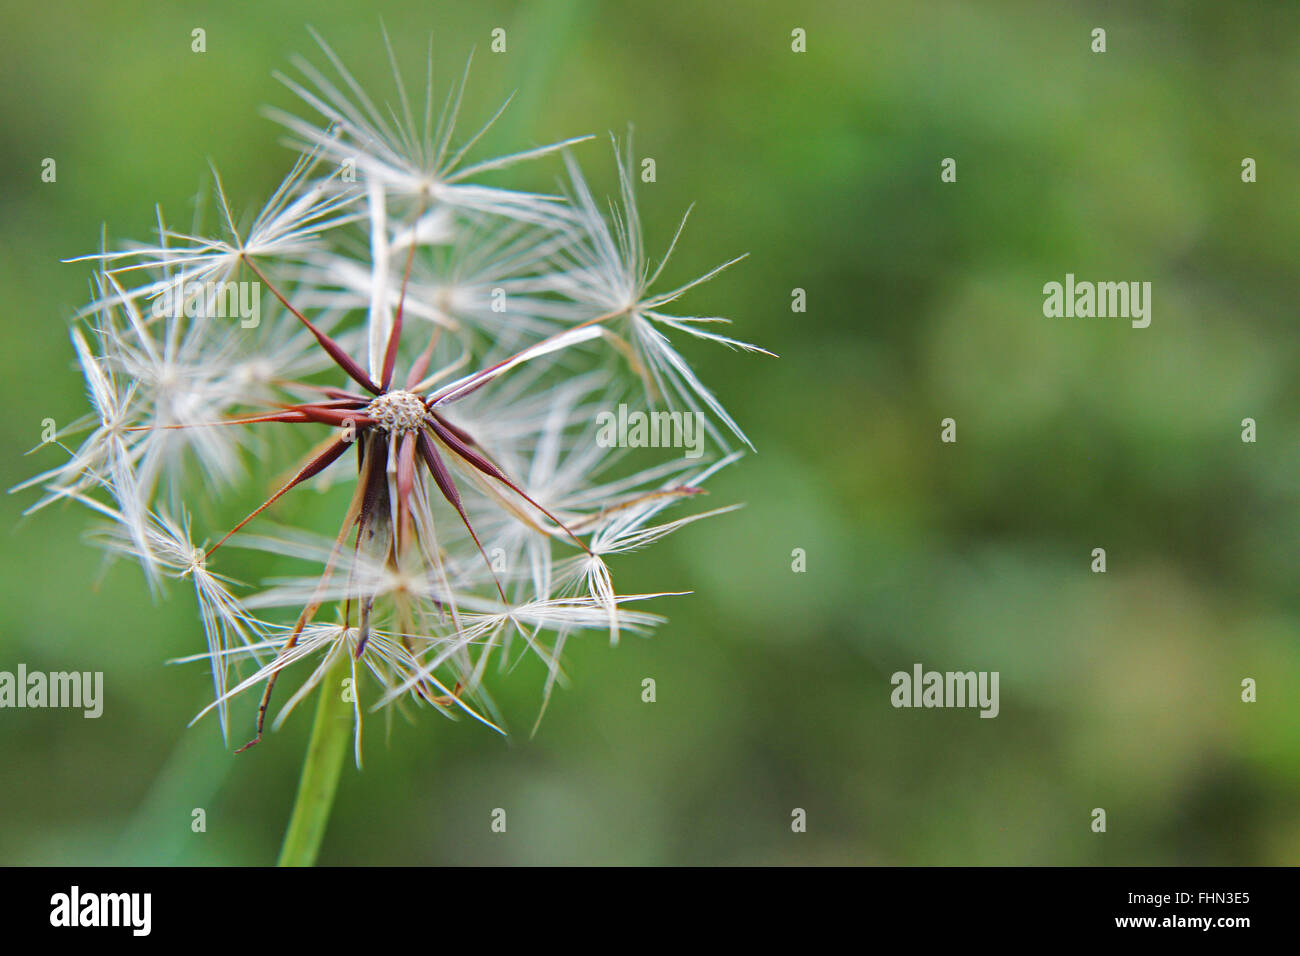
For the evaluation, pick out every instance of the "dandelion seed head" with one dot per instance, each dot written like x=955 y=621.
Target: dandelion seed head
x=463 y=335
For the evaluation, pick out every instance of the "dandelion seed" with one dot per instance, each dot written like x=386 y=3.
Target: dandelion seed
x=609 y=270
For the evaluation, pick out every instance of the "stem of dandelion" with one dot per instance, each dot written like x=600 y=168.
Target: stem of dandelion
x=320 y=770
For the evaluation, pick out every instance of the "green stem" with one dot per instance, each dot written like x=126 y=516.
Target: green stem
x=320 y=770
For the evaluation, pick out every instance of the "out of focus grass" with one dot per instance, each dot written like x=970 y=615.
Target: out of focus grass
x=1118 y=691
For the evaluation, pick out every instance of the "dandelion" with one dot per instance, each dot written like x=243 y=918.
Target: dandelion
x=439 y=346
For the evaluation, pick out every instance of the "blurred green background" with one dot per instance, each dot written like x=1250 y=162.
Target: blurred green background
x=1119 y=691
